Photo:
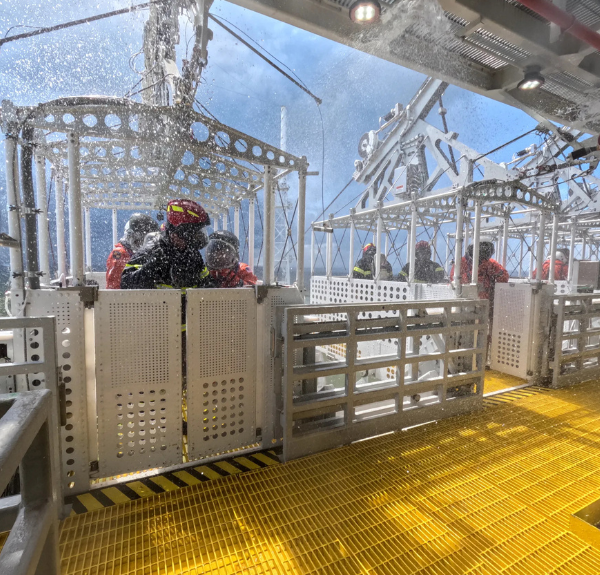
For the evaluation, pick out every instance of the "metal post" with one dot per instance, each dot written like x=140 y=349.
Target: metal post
x=447 y=262
x=553 y=243
x=115 y=230
x=329 y=255
x=583 y=245
x=521 y=260
x=412 y=242
x=312 y=251
x=378 y=244
x=215 y=220
x=505 y=242
x=386 y=246
x=572 y=251
x=300 y=233
x=75 y=223
x=61 y=247
x=532 y=249
x=42 y=203
x=467 y=236
x=88 y=240
x=236 y=221
x=540 y=246
x=226 y=220
x=458 y=245
x=351 y=255
x=14 y=220
x=30 y=216
x=251 y=233
x=476 y=238
x=269 y=228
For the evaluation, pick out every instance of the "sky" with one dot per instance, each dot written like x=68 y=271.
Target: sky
x=240 y=89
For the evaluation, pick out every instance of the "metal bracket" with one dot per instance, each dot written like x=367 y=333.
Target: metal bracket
x=87 y=294
x=26 y=211
x=261 y=293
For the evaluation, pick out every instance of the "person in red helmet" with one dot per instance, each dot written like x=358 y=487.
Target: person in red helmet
x=426 y=270
x=174 y=260
x=136 y=229
x=365 y=267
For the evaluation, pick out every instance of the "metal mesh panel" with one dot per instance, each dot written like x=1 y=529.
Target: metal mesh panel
x=511 y=331
x=343 y=290
x=221 y=368
x=138 y=380
x=68 y=310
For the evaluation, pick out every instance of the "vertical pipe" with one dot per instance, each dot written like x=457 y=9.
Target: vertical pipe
x=300 y=232
x=115 y=227
x=329 y=255
x=553 y=243
x=447 y=263
x=467 y=236
x=312 y=251
x=386 y=247
x=505 y=242
x=458 y=245
x=583 y=245
x=236 y=221
x=14 y=220
x=42 y=203
x=88 y=240
x=532 y=249
x=30 y=216
x=215 y=220
x=476 y=238
x=540 y=245
x=572 y=251
x=351 y=255
x=75 y=223
x=61 y=247
x=251 y=233
x=269 y=228
x=412 y=242
x=521 y=259
x=226 y=219
x=378 y=245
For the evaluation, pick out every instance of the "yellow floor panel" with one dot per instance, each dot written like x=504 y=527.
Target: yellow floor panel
x=488 y=493
x=496 y=381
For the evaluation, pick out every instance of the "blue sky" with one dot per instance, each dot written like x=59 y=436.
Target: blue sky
x=240 y=88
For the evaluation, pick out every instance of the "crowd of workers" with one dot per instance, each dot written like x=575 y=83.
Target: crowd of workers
x=149 y=257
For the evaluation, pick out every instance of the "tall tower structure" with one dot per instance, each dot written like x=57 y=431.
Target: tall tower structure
x=283 y=250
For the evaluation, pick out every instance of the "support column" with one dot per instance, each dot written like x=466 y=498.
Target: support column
x=115 y=226
x=412 y=241
x=476 y=238
x=215 y=222
x=236 y=221
x=467 y=235
x=28 y=211
x=75 y=223
x=572 y=251
x=583 y=244
x=447 y=262
x=532 y=249
x=459 y=245
x=88 y=240
x=251 y=233
x=329 y=255
x=553 y=243
x=14 y=219
x=539 y=260
x=42 y=203
x=269 y=228
x=61 y=246
x=226 y=220
x=505 y=242
x=521 y=260
x=351 y=255
x=386 y=245
x=312 y=251
x=300 y=233
x=378 y=244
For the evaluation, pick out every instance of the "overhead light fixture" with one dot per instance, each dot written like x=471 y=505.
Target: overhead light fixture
x=532 y=80
x=365 y=11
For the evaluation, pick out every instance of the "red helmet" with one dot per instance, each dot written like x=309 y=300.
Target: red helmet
x=369 y=248
x=186 y=212
x=422 y=245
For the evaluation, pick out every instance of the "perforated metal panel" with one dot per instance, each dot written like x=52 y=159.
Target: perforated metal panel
x=511 y=329
x=344 y=290
x=221 y=370
x=68 y=309
x=138 y=379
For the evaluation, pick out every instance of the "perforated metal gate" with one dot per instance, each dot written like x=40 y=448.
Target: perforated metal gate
x=138 y=380
x=68 y=309
x=512 y=328
x=221 y=370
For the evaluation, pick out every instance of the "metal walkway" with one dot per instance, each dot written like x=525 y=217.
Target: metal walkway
x=486 y=493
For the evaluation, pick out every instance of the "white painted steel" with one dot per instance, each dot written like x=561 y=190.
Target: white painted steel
x=553 y=243
x=75 y=223
x=505 y=241
x=269 y=229
x=377 y=242
x=301 y=230
x=539 y=260
x=251 y=262
x=221 y=370
x=458 y=245
x=329 y=255
x=351 y=250
x=572 y=251
x=476 y=238
x=42 y=205
x=138 y=379
x=312 y=251
x=61 y=245
x=68 y=309
x=236 y=221
x=14 y=220
x=411 y=244
x=88 y=240
x=115 y=228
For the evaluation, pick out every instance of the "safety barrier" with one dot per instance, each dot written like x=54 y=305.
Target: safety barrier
x=576 y=339
x=339 y=387
x=28 y=420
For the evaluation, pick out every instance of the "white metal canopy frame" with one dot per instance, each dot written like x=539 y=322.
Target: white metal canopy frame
x=114 y=153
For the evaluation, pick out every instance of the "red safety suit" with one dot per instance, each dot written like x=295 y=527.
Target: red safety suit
x=230 y=278
x=489 y=273
x=561 y=270
x=115 y=264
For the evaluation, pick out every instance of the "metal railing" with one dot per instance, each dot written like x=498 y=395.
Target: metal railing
x=357 y=370
x=576 y=339
x=29 y=423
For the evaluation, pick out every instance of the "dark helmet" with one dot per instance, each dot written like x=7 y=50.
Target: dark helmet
x=486 y=250
x=423 y=249
x=223 y=250
x=137 y=227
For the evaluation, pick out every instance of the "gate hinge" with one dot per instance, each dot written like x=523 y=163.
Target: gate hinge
x=87 y=294
x=261 y=293
x=94 y=466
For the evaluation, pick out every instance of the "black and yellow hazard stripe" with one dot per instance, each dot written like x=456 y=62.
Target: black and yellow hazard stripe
x=512 y=396
x=169 y=481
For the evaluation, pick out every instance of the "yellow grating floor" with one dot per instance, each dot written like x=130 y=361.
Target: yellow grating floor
x=495 y=381
x=486 y=493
